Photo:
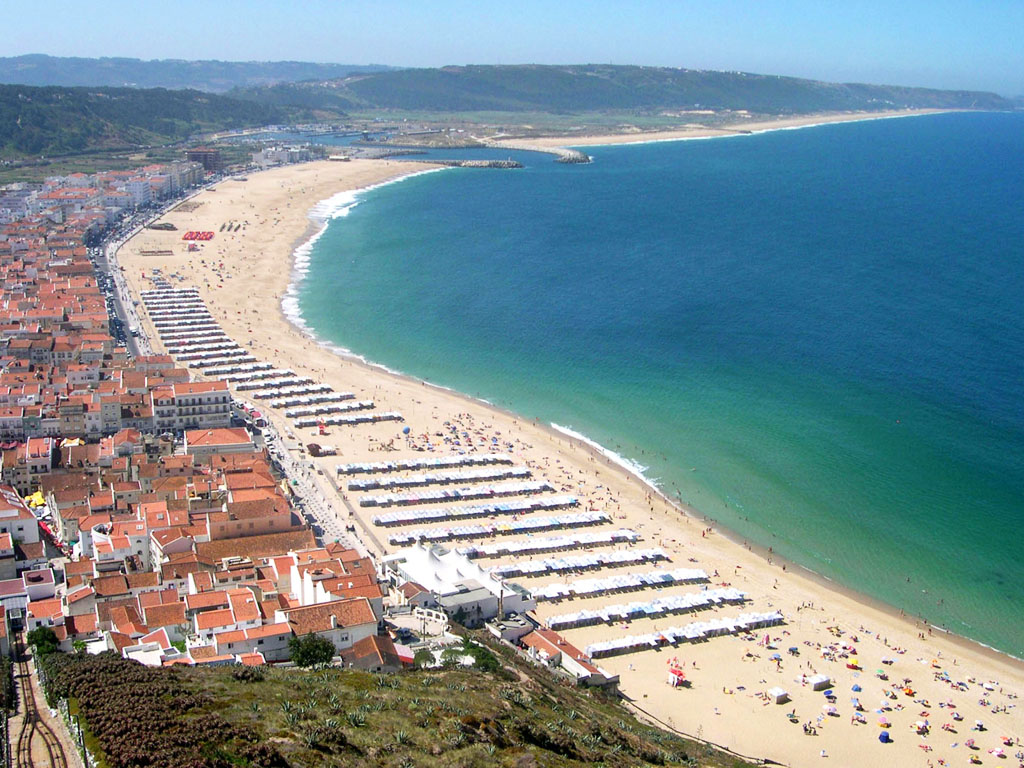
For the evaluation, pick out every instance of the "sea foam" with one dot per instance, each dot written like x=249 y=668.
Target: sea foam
x=336 y=206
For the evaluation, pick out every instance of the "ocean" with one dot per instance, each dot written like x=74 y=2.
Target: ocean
x=813 y=336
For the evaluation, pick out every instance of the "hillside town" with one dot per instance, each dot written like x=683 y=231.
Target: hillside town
x=149 y=513
x=138 y=513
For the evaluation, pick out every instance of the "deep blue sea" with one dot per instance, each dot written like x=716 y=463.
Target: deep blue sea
x=814 y=336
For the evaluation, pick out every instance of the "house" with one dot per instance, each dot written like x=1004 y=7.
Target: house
x=375 y=653
x=203 y=443
x=343 y=622
x=270 y=640
x=169 y=617
x=552 y=649
x=16 y=518
x=415 y=595
x=8 y=563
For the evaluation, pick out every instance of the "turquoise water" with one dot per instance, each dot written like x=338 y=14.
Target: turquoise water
x=812 y=336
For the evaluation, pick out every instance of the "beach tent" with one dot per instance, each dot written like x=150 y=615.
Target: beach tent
x=778 y=695
x=884 y=737
x=820 y=682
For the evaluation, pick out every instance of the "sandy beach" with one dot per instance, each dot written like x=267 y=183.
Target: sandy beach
x=697 y=131
x=243 y=276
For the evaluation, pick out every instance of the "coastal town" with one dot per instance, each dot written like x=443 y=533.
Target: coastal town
x=190 y=479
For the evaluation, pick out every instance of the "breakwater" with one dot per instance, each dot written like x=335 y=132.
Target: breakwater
x=562 y=154
x=468 y=163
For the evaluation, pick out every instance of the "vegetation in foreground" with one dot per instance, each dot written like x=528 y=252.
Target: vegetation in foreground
x=218 y=717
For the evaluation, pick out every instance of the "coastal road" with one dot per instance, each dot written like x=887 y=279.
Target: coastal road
x=124 y=306
x=317 y=503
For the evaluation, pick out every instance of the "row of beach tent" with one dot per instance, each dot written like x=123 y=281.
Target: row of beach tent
x=513 y=528
x=698 y=630
x=551 y=543
x=438 y=478
x=433 y=462
x=359 y=418
x=517 y=507
x=287 y=379
x=321 y=398
x=456 y=494
x=649 y=609
x=189 y=333
x=582 y=562
x=324 y=409
x=620 y=582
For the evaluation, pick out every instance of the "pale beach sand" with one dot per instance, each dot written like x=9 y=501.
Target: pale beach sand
x=726 y=674
x=697 y=131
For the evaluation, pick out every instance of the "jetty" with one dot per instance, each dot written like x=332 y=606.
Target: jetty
x=562 y=154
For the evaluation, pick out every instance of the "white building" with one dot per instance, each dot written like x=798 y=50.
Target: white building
x=465 y=591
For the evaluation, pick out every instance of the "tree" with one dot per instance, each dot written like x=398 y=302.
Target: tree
x=423 y=658
x=311 y=650
x=451 y=657
x=44 y=639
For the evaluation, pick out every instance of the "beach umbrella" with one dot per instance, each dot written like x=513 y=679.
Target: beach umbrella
x=827 y=693
x=855 y=687
x=406 y=430
x=884 y=722
x=775 y=657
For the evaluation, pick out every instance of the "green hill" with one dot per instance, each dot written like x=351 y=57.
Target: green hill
x=212 y=76
x=588 y=88
x=52 y=120
x=219 y=717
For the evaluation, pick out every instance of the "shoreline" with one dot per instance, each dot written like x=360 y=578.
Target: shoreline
x=629 y=467
x=699 y=132
x=725 y=547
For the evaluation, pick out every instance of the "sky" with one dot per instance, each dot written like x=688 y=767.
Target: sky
x=957 y=44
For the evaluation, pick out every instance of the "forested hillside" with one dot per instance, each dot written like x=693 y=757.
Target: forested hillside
x=212 y=76
x=606 y=88
x=49 y=121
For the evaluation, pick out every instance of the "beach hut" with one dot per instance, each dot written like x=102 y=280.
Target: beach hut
x=778 y=695
x=820 y=682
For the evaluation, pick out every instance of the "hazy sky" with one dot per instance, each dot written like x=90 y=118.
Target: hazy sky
x=972 y=44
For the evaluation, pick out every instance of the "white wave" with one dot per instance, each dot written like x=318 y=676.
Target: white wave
x=336 y=206
x=633 y=467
